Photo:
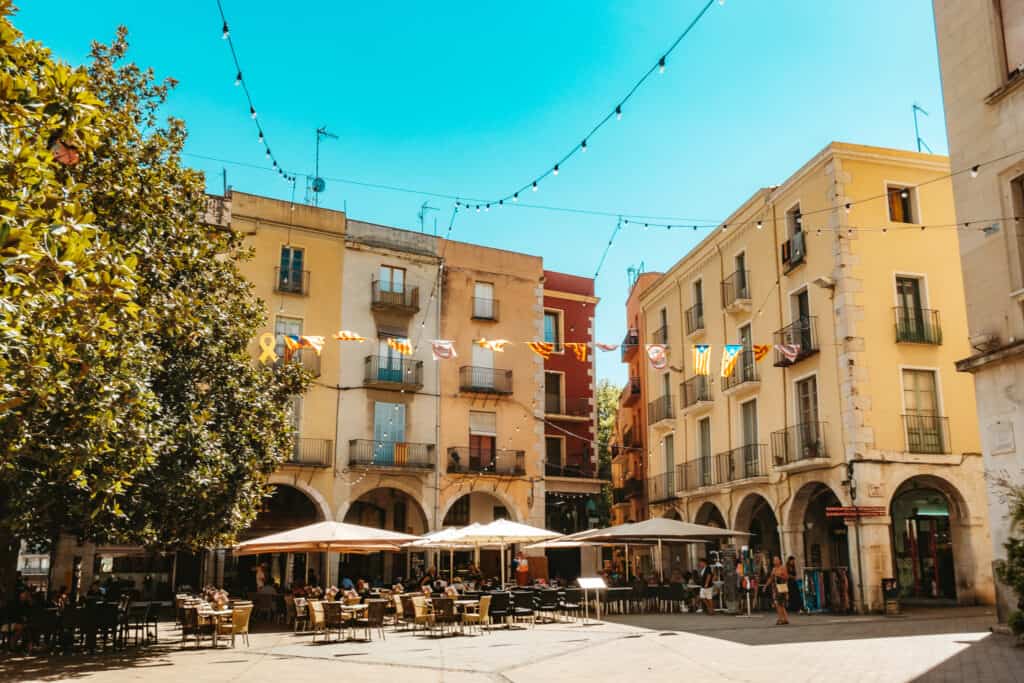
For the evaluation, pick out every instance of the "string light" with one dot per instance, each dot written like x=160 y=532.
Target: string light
x=555 y=170
x=974 y=171
x=238 y=79
x=618 y=112
x=583 y=145
x=225 y=34
x=252 y=111
x=661 y=65
x=534 y=185
x=760 y=224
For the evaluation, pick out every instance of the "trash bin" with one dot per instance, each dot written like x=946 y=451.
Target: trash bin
x=891 y=596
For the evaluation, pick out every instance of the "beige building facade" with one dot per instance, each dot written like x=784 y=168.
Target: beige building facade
x=868 y=411
x=981 y=55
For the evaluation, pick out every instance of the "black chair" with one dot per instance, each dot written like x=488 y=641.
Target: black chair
x=522 y=607
x=639 y=598
x=676 y=597
x=42 y=627
x=443 y=615
x=547 y=604
x=500 y=606
x=335 y=619
x=572 y=603
x=135 y=621
x=374 y=618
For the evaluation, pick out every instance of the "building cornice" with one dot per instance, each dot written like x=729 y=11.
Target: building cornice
x=571 y=296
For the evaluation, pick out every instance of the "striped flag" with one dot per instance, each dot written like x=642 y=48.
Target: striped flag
x=760 y=351
x=606 y=347
x=348 y=335
x=316 y=343
x=443 y=349
x=701 y=359
x=402 y=346
x=730 y=354
x=492 y=344
x=542 y=349
x=578 y=348
x=788 y=351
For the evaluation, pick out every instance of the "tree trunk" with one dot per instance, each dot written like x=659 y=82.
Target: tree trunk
x=9 y=546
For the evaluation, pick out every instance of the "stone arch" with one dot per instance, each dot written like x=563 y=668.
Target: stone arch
x=957 y=502
x=672 y=512
x=357 y=492
x=804 y=497
x=323 y=508
x=756 y=515
x=709 y=513
x=500 y=496
x=384 y=497
x=814 y=538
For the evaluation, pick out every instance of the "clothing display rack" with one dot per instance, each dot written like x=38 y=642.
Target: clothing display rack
x=827 y=590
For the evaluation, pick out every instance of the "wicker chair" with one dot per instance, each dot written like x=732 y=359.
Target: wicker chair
x=478 y=616
x=408 y=613
x=334 y=618
x=316 y=617
x=238 y=625
x=301 y=614
x=443 y=615
x=421 y=615
x=374 y=618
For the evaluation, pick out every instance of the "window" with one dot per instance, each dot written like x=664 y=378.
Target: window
x=919 y=393
x=751 y=455
x=458 y=513
x=704 y=450
x=388 y=429
x=698 y=294
x=807 y=400
x=392 y=279
x=669 y=444
x=554 y=447
x=483 y=301
x=923 y=422
x=1012 y=15
x=910 y=322
x=794 y=221
x=553 y=393
x=553 y=328
x=483 y=438
x=1017 y=200
x=666 y=385
x=900 y=204
x=741 y=277
x=290 y=275
x=285 y=327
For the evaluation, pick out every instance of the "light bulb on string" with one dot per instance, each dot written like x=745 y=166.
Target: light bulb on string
x=904 y=194
x=268 y=153
x=478 y=208
x=224 y=33
x=583 y=146
x=661 y=65
x=555 y=170
x=515 y=197
x=618 y=112
x=974 y=170
x=847 y=207
x=487 y=207
x=534 y=185
x=760 y=225
x=252 y=111
x=261 y=137
x=238 y=79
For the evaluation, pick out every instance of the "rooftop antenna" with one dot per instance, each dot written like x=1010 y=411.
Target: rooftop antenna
x=422 y=215
x=319 y=184
x=917 y=135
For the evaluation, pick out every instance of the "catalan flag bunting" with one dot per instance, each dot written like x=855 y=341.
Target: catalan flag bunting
x=701 y=359
x=730 y=354
x=349 y=335
x=606 y=347
x=579 y=349
x=493 y=344
x=443 y=349
x=788 y=351
x=292 y=343
x=542 y=349
x=760 y=351
x=313 y=342
x=657 y=354
x=402 y=346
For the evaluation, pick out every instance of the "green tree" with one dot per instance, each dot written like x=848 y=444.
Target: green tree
x=130 y=409
x=607 y=409
x=1011 y=570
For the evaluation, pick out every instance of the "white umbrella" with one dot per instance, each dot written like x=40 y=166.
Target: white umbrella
x=502 y=532
x=444 y=539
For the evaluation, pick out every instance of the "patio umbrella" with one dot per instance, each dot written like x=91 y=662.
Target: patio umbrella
x=444 y=539
x=502 y=532
x=326 y=537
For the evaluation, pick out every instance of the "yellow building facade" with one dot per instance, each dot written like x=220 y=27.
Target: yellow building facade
x=837 y=264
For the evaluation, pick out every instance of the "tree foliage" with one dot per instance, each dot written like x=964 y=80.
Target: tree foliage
x=607 y=409
x=130 y=408
x=1011 y=570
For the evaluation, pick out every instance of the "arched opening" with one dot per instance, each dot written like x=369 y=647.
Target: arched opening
x=480 y=507
x=925 y=513
x=755 y=515
x=825 y=539
x=708 y=513
x=286 y=508
x=394 y=510
x=672 y=513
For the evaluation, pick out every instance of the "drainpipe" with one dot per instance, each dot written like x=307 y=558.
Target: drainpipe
x=437 y=405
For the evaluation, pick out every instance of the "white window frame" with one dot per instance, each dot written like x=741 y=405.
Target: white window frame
x=922 y=278
x=940 y=403
x=915 y=201
x=560 y=315
x=792 y=301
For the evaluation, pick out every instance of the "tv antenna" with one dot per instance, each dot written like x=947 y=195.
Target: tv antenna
x=422 y=215
x=917 y=135
x=318 y=184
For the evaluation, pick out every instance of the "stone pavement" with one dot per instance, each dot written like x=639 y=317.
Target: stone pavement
x=926 y=645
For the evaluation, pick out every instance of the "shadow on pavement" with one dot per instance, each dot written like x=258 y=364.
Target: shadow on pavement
x=991 y=658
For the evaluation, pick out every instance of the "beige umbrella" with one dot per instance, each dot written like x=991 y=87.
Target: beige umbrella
x=502 y=532
x=444 y=539
x=325 y=537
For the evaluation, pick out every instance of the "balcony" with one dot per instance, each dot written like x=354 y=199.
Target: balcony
x=917 y=326
x=311 y=453
x=629 y=440
x=799 y=444
x=387 y=296
x=660 y=409
x=391 y=454
x=289 y=281
x=477 y=380
x=393 y=372
x=744 y=378
x=631 y=392
x=571 y=410
x=695 y=394
x=927 y=434
x=584 y=469
x=802 y=333
x=744 y=462
x=630 y=344
x=630 y=488
x=485 y=309
x=736 y=292
x=660 y=335
x=695 y=319
x=465 y=460
x=793 y=252
x=661 y=487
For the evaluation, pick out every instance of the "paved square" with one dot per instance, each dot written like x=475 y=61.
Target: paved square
x=926 y=645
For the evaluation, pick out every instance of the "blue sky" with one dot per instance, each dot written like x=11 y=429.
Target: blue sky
x=476 y=98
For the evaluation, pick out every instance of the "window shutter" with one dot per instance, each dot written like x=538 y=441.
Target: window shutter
x=484 y=424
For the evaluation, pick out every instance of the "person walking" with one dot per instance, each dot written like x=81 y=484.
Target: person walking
x=780 y=589
x=707 y=586
x=796 y=600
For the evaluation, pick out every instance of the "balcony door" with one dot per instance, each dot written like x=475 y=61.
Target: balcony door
x=290 y=274
x=389 y=368
x=670 y=463
x=704 y=451
x=921 y=403
x=483 y=367
x=741 y=277
x=910 y=312
x=553 y=393
x=746 y=359
x=388 y=429
x=483 y=439
x=392 y=279
x=807 y=415
x=748 y=415
x=483 y=300
x=802 y=318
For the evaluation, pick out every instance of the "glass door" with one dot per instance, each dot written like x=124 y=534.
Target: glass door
x=389 y=367
x=751 y=460
x=483 y=368
x=910 y=313
x=920 y=400
x=808 y=445
x=388 y=429
x=704 y=450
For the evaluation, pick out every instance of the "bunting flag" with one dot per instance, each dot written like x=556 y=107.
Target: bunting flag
x=657 y=354
x=443 y=349
x=402 y=346
x=348 y=335
x=542 y=349
x=701 y=359
x=578 y=348
x=492 y=344
x=760 y=351
x=730 y=355
x=316 y=343
x=293 y=343
x=606 y=347
x=788 y=351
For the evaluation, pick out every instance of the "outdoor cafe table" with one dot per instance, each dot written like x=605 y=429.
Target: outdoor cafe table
x=216 y=615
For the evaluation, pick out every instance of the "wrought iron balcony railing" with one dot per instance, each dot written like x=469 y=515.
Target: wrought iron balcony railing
x=661 y=487
x=479 y=380
x=799 y=442
x=630 y=343
x=695 y=318
x=392 y=372
x=695 y=390
x=386 y=295
x=736 y=289
x=466 y=460
x=917 y=325
x=745 y=371
x=802 y=334
x=396 y=454
x=660 y=409
x=312 y=453
x=660 y=335
x=927 y=433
